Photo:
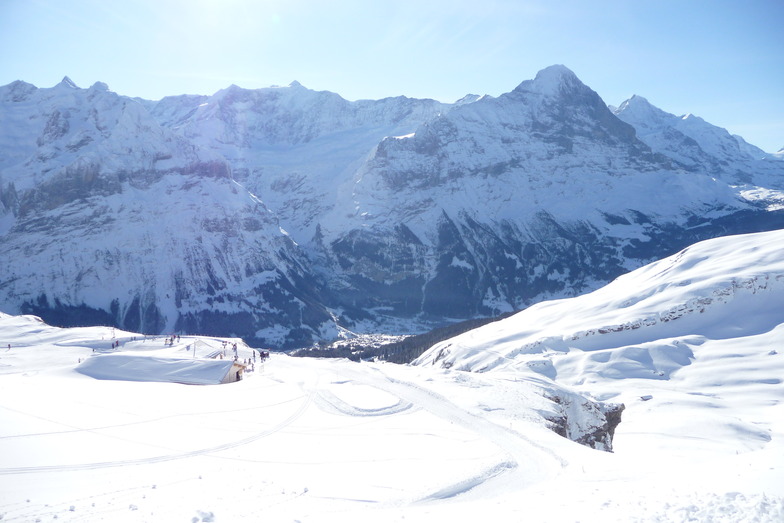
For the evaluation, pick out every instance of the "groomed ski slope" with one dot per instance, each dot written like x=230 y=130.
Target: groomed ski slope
x=330 y=440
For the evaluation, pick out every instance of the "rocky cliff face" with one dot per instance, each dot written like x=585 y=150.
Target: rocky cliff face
x=284 y=214
x=292 y=146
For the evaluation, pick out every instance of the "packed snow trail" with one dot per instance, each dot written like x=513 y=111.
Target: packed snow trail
x=526 y=462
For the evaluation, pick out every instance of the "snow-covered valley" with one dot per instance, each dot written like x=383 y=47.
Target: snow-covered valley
x=692 y=345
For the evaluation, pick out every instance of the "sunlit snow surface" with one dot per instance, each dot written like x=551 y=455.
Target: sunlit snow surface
x=693 y=345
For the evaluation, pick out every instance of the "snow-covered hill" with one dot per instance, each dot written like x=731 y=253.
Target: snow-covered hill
x=285 y=215
x=717 y=289
x=691 y=345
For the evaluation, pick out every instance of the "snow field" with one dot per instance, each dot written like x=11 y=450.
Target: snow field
x=701 y=439
x=305 y=437
x=282 y=445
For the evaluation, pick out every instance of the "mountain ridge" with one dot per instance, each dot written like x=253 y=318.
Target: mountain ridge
x=390 y=215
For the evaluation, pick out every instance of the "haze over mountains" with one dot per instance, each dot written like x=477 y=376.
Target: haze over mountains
x=286 y=216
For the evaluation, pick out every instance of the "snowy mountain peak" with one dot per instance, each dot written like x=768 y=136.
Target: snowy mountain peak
x=233 y=88
x=470 y=98
x=555 y=71
x=67 y=82
x=640 y=109
x=16 y=91
x=296 y=85
x=689 y=116
x=692 y=141
x=99 y=86
x=552 y=81
x=636 y=102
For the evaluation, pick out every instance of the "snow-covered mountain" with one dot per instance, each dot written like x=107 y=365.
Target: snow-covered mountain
x=110 y=218
x=699 y=146
x=290 y=145
x=279 y=214
x=539 y=192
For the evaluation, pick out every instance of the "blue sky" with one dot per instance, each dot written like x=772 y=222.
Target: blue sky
x=720 y=60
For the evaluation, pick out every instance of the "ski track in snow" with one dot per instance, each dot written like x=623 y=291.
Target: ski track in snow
x=119 y=425
x=298 y=412
x=519 y=449
x=328 y=401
